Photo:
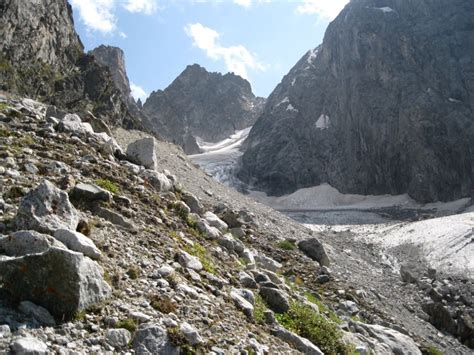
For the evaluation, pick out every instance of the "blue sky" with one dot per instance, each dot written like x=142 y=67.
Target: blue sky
x=258 y=39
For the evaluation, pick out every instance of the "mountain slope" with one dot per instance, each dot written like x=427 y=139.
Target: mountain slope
x=384 y=106
x=41 y=56
x=199 y=104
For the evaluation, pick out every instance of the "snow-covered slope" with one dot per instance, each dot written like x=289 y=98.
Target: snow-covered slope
x=219 y=159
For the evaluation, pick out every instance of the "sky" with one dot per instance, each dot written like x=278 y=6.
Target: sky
x=260 y=40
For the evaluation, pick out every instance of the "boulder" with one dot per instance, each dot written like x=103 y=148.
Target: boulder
x=301 y=344
x=90 y=193
x=190 y=334
x=241 y=303
x=208 y=231
x=194 y=204
x=46 y=209
x=118 y=338
x=28 y=345
x=411 y=272
x=78 y=242
x=267 y=263
x=158 y=180
x=397 y=342
x=153 y=339
x=215 y=221
x=41 y=314
x=314 y=249
x=189 y=261
x=62 y=281
x=143 y=152
x=276 y=299
x=72 y=123
x=27 y=242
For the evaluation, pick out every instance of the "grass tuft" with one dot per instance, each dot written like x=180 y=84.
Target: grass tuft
x=286 y=245
x=304 y=321
x=108 y=185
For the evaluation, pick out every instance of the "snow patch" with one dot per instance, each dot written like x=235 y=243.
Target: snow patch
x=293 y=82
x=284 y=101
x=323 y=122
x=453 y=100
x=385 y=9
x=313 y=54
x=291 y=108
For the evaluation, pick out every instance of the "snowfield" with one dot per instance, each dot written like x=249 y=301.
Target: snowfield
x=446 y=242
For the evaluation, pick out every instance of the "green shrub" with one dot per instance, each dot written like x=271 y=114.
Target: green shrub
x=3 y=106
x=130 y=324
x=133 y=272
x=108 y=185
x=200 y=252
x=323 y=308
x=430 y=350
x=304 y=321
x=286 y=245
x=259 y=309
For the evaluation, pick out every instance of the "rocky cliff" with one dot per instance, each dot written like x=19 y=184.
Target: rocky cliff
x=204 y=105
x=384 y=106
x=41 y=56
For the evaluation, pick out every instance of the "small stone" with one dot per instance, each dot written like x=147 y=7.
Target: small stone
x=78 y=242
x=191 y=334
x=189 y=261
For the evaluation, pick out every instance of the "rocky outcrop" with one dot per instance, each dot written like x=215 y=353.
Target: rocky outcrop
x=41 y=56
x=114 y=59
x=204 y=105
x=383 y=106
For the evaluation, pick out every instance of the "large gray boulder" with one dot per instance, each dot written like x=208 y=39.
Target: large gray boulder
x=62 y=281
x=46 y=209
x=386 y=339
x=143 y=152
x=27 y=242
x=153 y=339
x=315 y=250
x=383 y=106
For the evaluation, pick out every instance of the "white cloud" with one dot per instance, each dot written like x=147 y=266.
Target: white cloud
x=325 y=8
x=123 y=35
x=138 y=92
x=97 y=15
x=237 y=58
x=147 y=7
x=243 y=3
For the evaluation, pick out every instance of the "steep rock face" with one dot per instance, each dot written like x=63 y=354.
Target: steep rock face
x=114 y=59
x=41 y=56
x=210 y=106
x=384 y=105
